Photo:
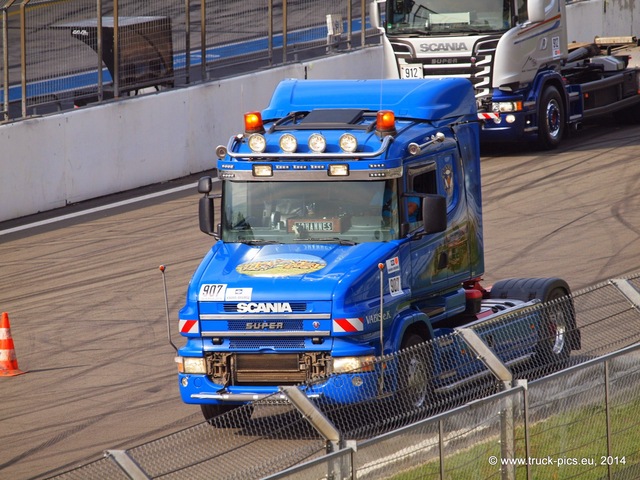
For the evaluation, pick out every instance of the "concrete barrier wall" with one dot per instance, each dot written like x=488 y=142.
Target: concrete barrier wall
x=53 y=161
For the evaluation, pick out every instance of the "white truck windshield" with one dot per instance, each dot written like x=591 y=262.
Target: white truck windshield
x=448 y=16
x=346 y=212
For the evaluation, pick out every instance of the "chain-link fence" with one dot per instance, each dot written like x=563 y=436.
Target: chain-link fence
x=578 y=423
x=63 y=54
x=419 y=411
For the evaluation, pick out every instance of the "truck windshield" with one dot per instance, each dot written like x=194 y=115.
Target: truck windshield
x=346 y=212
x=435 y=17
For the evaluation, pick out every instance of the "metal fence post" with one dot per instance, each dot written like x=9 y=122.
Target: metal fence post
x=349 y=23
x=607 y=413
x=23 y=56
x=363 y=22
x=116 y=51
x=100 y=52
x=499 y=369
x=507 y=438
x=270 y=31
x=187 y=41
x=525 y=404
x=441 y=447
x=5 y=58
x=127 y=464
x=203 y=39
x=317 y=420
x=284 y=31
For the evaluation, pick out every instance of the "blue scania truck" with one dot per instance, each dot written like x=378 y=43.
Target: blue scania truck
x=349 y=227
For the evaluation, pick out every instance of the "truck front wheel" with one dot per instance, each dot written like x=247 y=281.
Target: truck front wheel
x=415 y=374
x=551 y=119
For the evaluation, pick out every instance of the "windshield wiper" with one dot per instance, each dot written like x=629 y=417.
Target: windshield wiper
x=340 y=241
x=258 y=242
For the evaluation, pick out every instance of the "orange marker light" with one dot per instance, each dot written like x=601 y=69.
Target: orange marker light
x=386 y=121
x=253 y=123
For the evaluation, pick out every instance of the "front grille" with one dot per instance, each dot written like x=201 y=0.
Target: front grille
x=262 y=343
x=478 y=72
x=266 y=369
x=270 y=369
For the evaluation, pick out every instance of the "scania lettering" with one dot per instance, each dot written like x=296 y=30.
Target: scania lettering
x=443 y=47
x=265 y=326
x=277 y=301
x=264 y=307
x=530 y=83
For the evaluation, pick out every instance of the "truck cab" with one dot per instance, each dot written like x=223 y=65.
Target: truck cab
x=350 y=226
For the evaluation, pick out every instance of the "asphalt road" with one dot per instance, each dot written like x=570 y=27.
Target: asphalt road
x=86 y=302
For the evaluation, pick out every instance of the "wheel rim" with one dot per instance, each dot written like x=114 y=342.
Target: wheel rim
x=559 y=333
x=553 y=118
x=417 y=382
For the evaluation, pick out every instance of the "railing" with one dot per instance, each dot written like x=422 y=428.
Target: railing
x=58 y=55
x=532 y=420
x=577 y=423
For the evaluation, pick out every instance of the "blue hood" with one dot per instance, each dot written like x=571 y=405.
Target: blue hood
x=287 y=272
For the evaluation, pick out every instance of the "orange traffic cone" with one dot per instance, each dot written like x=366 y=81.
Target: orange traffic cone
x=8 y=360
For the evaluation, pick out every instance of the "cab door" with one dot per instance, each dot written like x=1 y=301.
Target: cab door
x=443 y=256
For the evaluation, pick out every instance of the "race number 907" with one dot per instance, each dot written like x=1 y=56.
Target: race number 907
x=212 y=292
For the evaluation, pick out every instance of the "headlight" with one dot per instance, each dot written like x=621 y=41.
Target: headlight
x=506 y=107
x=338 y=170
x=191 y=365
x=262 y=170
x=348 y=143
x=288 y=143
x=317 y=143
x=257 y=143
x=350 y=364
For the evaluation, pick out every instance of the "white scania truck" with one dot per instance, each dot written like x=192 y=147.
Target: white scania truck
x=528 y=84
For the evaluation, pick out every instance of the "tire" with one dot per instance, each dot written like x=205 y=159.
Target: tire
x=554 y=348
x=415 y=388
x=238 y=419
x=558 y=324
x=551 y=119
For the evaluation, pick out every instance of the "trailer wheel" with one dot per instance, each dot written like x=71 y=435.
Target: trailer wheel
x=415 y=374
x=551 y=119
x=238 y=419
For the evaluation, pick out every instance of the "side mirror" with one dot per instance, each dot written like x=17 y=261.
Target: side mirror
x=434 y=213
x=535 y=11
x=206 y=216
x=205 y=185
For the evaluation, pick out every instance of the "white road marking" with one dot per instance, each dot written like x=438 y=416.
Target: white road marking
x=97 y=209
